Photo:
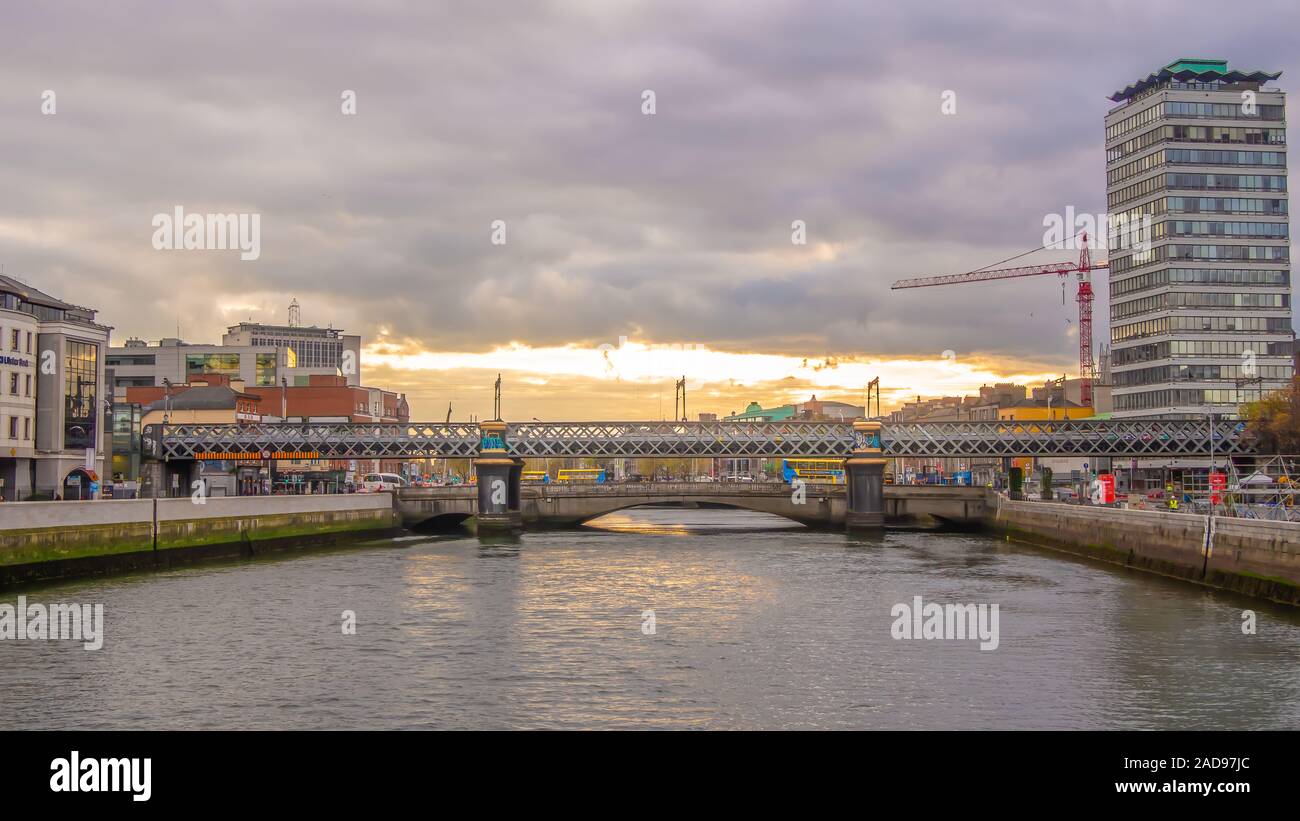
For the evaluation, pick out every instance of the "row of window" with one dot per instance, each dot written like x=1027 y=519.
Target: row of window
x=1227 y=111
x=1198 y=276
x=1201 y=324
x=1231 y=111
x=1198 y=373
x=16 y=339
x=1194 y=156
x=1153 y=351
x=1179 y=299
x=1222 y=205
x=27 y=427
x=1199 y=253
x=130 y=359
x=15 y=379
x=1226 y=228
x=1218 y=156
x=1126 y=234
x=1197 y=134
x=1133 y=169
x=310 y=353
x=1196 y=182
x=1178 y=397
x=228 y=364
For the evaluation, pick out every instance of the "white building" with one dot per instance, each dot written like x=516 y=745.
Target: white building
x=53 y=406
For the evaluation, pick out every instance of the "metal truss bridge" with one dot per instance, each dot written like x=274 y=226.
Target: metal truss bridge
x=1127 y=438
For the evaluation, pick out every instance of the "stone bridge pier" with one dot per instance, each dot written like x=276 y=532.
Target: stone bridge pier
x=864 y=474
x=498 y=476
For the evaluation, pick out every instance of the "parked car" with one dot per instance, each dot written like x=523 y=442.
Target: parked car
x=378 y=482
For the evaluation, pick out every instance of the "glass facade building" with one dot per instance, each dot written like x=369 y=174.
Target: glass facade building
x=1200 y=312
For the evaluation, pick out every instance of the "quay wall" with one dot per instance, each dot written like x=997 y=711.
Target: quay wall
x=50 y=540
x=1251 y=556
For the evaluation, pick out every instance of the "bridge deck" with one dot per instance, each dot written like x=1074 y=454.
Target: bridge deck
x=1128 y=437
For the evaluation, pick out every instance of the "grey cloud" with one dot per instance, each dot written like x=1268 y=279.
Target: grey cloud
x=676 y=225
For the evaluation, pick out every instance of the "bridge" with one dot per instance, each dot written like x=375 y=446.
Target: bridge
x=1123 y=438
x=498 y=448
x=816 y=505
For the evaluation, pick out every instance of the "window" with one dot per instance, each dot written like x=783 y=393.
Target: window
x=13 y=384
x=14 y=339
x=29 y=342
x=27 y=387
x=223 y=363
x=265 y=372
x=80 y=397
x=27 y=428
x=13 y=427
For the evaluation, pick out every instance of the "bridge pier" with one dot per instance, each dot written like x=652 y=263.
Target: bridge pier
x=864 y=474
x=498 y=478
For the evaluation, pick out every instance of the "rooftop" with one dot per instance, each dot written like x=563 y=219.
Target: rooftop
x=1193 y=70
x=32 y=295
x=202 y=397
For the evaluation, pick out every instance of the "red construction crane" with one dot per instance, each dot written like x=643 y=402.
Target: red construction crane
x=1083 y=270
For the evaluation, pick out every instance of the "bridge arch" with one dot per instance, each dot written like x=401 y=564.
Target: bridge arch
x=816 y=510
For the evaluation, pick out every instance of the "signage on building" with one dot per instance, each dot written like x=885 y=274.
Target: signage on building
x=14 y=360
x=209 y=456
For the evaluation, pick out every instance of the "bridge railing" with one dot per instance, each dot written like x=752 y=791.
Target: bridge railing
x=1008 y=438
x=679 y=439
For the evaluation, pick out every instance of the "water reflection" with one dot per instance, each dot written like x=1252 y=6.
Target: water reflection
x=752 y=627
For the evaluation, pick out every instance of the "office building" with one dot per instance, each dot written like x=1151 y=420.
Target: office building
x=53 y=408
x=1200 y=280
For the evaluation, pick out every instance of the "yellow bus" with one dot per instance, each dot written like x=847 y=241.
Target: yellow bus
x=814 y=471
x=533 y=477
x=581 y=475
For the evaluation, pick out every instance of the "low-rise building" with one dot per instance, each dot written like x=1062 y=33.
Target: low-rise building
x=52 y=399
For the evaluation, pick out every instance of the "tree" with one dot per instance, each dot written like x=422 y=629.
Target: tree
x=1273 y=422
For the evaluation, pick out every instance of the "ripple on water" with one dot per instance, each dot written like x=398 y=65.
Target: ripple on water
x=757 y=623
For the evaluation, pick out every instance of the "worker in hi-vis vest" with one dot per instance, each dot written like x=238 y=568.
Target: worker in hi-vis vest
x=1171 y=496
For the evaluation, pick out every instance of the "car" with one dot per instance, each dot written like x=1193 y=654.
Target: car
x=704 y=478
x=379 y=482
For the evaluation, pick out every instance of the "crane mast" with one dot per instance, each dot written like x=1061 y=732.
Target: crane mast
x=1082 y=269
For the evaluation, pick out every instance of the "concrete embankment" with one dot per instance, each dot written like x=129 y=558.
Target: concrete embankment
x=50 y=540
x=1252 y=556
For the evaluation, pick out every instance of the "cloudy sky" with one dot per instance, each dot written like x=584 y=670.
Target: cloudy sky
x=638 y=247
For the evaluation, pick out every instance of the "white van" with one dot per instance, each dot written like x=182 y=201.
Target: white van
x=376 y=482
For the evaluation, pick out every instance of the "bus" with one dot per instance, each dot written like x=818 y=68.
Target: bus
x=814 y=471
x=581 y=475
x=534 y=477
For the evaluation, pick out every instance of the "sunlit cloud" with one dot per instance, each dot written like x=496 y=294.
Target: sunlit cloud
x=718 y=379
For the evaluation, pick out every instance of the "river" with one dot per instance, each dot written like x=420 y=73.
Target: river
x=660 y=618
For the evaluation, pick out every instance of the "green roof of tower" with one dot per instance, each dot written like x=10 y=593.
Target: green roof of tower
x=1193 y=69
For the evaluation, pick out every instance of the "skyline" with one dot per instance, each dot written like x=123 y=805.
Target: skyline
x=671 y=229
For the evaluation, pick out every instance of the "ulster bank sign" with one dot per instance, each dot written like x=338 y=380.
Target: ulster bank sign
x=13 y=360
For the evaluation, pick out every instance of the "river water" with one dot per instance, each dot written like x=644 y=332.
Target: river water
x=757 y=623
